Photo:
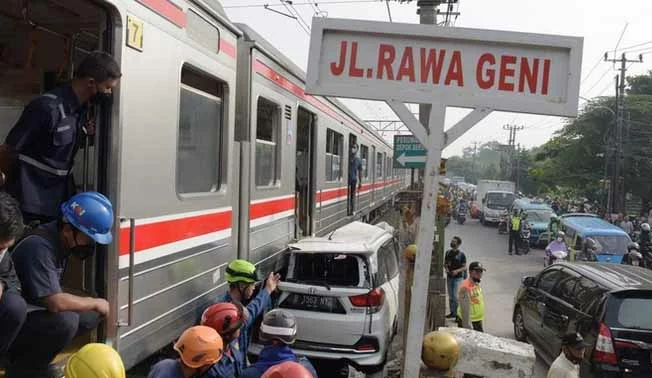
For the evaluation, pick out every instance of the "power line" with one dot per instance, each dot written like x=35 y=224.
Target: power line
x=263 y=5
x=636 y=45
x=586 y=93
x=597 y=63
x=389 y=11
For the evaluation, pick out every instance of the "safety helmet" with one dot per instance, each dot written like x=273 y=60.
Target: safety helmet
x=645 y=227
x=199 y=346
x=241 y=271
x=410 y=252
x=561 y=234
x=638 y=255
x=225 y=317
x=279 y=325
x=634 y=246
x=554 y=217
x=95 y=361
x=90 y=213
x=287 y=369
x=440 y=350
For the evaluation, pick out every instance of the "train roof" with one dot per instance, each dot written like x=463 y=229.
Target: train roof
x=253 y=36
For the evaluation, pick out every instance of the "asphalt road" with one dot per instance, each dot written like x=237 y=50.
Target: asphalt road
x=502 y=278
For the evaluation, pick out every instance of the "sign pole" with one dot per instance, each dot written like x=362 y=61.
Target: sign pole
x=425 y=238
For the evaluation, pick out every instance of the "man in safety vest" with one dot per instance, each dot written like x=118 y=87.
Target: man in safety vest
x=470 y=311
x=514 y=232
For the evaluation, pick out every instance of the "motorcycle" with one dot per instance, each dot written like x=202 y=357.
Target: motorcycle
x=461 y=217
x=555 y=257
x=502 y=224
x=523 y=244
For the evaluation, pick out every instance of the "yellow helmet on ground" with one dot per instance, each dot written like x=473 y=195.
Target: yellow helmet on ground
x=440 y=350
x=95 y=361
x=410 y=252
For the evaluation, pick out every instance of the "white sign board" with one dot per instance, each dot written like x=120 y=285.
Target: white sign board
x=472 y=68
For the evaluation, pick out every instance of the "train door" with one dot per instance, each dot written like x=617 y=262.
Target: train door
x=374 y=174
x=41 y=42
x=305 y=173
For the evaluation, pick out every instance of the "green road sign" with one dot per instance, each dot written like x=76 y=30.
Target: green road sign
x=408 y=152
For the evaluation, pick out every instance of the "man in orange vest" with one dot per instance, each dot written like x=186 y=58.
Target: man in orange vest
x=470 y=310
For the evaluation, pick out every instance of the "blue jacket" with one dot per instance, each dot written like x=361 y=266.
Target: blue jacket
x=226 y=367
x=273 y=355
x=255 y=308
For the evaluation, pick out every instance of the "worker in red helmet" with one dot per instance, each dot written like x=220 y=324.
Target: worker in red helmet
x=288 y=369
x=227 y=319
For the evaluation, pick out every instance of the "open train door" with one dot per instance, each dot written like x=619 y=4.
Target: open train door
x=305 y=181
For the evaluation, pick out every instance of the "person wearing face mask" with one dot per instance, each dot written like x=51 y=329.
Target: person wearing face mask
x=355 y=177
x=567 y=365
x=470 y=311
x=54 y=317
x=37 y=157
x=557 y=245
x=455 y=263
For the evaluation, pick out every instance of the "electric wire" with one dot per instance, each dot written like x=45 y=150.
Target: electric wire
x=262 y=5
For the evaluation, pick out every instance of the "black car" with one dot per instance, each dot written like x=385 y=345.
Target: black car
x=609 y=304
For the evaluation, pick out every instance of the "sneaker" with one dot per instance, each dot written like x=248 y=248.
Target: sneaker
x=451 y=316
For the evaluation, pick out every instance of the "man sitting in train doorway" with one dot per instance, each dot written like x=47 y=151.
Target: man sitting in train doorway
x=355 y=177
x=39 y=152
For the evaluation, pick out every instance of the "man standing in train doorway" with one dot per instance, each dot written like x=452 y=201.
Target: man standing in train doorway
x=355 y=177
x=39 y=152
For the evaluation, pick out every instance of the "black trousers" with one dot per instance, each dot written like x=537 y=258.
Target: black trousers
x=44 y=335
x=13 y=311
x=351 y=202
x=477 y=326
x=513 y=240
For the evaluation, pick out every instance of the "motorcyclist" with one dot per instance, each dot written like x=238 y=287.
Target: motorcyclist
x=553 y=226
x=645 y=241
x=559 y=244
x=633 y=255
x=589 y=250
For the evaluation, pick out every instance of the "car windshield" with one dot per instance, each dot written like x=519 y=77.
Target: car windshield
x=499 y=201
x=629 y=311
x=539 y=215
x=329 y=269
x=611 y=244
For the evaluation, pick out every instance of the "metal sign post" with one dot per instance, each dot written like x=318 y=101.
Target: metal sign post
x=484 y=70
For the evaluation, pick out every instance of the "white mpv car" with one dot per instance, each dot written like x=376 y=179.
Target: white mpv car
x=343 y=291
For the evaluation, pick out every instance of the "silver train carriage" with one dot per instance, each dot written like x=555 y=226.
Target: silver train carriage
x=210 y=151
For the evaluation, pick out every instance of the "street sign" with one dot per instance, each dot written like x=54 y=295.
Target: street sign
x=408 y=152
x=506 y=71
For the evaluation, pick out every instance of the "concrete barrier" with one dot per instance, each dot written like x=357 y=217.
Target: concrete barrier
x=490 y=356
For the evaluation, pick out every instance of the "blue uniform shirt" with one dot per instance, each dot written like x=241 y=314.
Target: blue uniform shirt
x=273 y=355
x=39 y=264
x=355 y=165
x=225 y=368
x=255 y=308
x=46 y=140
x=169 y=368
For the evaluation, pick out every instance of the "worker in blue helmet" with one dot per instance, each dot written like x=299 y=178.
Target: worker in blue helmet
x=54 y=317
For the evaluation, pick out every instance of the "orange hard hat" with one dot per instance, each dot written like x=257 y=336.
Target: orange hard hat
x=225 y=318
x=199 y=346
x=288 y=369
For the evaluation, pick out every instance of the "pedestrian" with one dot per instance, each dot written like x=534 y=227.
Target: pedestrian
x=13 y=308
x=355 y=177
x=567 y=365
x=514 y=232
x=95 y=361
x=455 y=263
x=470 y=311
x=199 y=347
x=40 y=259
x=39 y=151
x=242 y=277
x=227 y=319
x=278 y=331
x=408 y=228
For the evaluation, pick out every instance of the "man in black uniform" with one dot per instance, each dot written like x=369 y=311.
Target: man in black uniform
x=13 y=308
x=39 y=152
x=54 y=316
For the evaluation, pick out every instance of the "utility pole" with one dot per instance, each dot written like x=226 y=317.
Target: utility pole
x=617 y=178
x=518 y=168
x=511 y=142
x=475 y=153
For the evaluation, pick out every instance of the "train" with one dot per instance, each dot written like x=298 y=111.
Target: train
x=210 y=151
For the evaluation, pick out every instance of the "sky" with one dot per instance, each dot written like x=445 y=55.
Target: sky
x=603 y=24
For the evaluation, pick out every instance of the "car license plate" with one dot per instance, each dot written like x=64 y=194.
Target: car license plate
x=312 y=303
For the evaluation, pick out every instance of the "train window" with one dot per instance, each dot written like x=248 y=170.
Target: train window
x=334 y=144
x=364 y=155
x=379 y=165
x=202 y=31
x=199 y=145
x=268 y=129
x=388 y=166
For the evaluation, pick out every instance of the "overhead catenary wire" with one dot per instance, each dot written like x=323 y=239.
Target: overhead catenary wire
x=333 y=2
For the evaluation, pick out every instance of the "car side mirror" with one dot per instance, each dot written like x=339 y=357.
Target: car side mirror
x=528 y=281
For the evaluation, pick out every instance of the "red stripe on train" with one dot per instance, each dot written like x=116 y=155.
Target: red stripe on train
x=262 y=209
x=167 y=10
x=227 y=48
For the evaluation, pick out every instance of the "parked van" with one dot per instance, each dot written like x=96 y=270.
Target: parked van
x=611 y=240
x=538 y=218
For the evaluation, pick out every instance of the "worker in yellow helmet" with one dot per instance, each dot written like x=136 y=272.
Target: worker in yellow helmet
x=95 y=361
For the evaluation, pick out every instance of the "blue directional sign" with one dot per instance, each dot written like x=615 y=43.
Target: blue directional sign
x=408 y=152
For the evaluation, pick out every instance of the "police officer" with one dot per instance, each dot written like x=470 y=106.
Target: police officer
x=514 y=232
x=40 y=259
x=38 y=155
x=13 y=308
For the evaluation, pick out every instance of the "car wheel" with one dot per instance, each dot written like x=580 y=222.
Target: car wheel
x=520 y=333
